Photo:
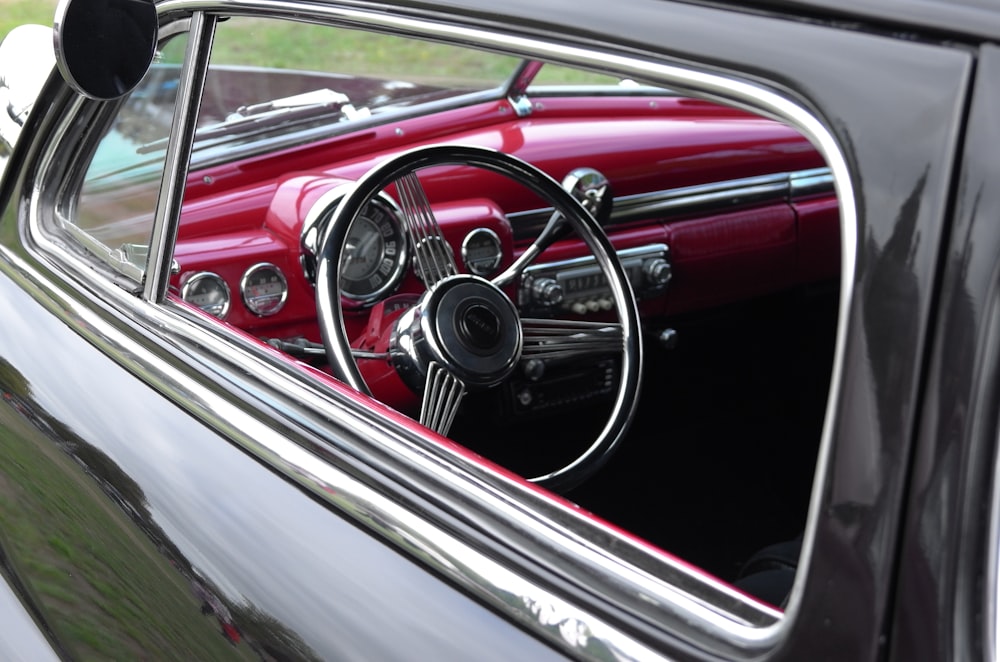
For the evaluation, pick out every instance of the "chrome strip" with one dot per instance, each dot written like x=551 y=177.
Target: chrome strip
x=698 y=199
x=701 y=609
x=171 y=197
x=817 y=181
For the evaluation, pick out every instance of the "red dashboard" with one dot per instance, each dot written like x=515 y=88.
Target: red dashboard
x=744 y=204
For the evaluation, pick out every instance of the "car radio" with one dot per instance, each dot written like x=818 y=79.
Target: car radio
x=579 y=286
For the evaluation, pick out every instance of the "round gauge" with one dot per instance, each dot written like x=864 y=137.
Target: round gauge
x=482 y=252
x=207 y=291
x=264 y=289
x=374 y=259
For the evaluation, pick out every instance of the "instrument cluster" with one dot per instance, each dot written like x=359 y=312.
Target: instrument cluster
x=377 y=260
x=263 y=290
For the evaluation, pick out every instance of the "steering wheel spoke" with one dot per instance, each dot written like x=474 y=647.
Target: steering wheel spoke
x=434 y=258
x=554 y=229
x=443 y=393
x=563 y=340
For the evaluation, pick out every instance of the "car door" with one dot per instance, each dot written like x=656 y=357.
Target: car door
x=948 y=554
x=298 y=489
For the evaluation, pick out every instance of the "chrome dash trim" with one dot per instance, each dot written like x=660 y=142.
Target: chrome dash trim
x=804 y=183
x=704 y=612
x=698 y=199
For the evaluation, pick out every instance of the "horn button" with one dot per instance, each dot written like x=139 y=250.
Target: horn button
x=466 y=324
x=477 y=327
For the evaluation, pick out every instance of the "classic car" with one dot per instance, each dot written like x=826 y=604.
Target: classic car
x=364 y=330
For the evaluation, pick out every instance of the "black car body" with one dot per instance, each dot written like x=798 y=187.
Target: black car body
x=173 y=487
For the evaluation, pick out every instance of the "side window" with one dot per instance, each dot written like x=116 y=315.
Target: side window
x=300 y=75
x=118 y=196
x=554 y=74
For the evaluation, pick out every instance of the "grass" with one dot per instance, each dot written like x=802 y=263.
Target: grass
x=18 y=12
x=294 y=45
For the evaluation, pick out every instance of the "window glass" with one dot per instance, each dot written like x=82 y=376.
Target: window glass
x=281 y=44
x=114 y=218
x=554 y=74
x=269 y=77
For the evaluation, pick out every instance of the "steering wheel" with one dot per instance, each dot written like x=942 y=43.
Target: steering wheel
x=465 y=332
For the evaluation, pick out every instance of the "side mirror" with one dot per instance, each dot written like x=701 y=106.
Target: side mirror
x=104 y=47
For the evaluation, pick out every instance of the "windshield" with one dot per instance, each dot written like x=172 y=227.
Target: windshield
x=300 y=76
x=272 y=78
x=274 y=83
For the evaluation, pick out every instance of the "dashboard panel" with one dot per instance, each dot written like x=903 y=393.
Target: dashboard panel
x=702 y=213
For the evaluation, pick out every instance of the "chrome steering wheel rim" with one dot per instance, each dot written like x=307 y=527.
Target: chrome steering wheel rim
x=330 y=309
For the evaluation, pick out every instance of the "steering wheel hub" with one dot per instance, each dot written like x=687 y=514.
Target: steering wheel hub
x=465 y=324
x=478 y=327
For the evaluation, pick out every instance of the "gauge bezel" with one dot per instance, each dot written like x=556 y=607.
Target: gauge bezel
x=200 y=276
x=245 y=282
x=313 y=229
x=473 y=264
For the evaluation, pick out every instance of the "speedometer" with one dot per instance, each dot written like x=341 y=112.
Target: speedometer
x=375 y=253
x=374 y=257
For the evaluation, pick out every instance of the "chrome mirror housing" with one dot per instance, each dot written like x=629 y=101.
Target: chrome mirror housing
x=103 y=50
x=593 y=190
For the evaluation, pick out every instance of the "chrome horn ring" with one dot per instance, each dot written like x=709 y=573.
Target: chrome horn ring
x=443 y=345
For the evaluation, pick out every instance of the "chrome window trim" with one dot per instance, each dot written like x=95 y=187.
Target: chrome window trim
x=222 y=151
x=698 y=607
x=554 y=91
x=113 y=257
x=166 y=221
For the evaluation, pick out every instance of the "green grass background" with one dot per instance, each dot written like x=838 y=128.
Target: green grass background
x=17 y=12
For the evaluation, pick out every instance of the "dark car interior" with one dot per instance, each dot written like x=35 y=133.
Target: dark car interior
x=719 y=461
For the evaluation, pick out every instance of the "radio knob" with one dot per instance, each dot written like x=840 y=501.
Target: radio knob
x=546 y=291
x=657 y=271
x=525 y=398
x=534 y=369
